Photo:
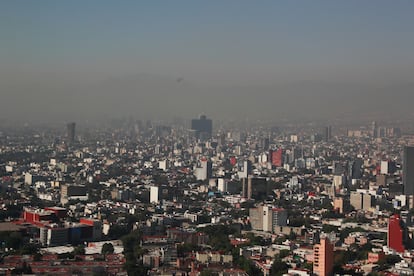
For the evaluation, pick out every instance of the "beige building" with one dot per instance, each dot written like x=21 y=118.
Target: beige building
x=213 y=257
x=361 y=201
x=339 y=204
x=267 y=217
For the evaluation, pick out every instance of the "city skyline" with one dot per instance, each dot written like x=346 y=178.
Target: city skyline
x=206 y=137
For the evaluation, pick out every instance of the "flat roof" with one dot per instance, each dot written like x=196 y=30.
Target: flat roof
x=10 y=227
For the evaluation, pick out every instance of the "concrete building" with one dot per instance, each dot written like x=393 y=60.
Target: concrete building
x=245 y=169
x=154 y=194
x=384 y=167
x=361 y=201
x=222 y=185
x=266 y=218
x=53 y=235
x=31 y=179
x=256 y=218
x=73 y=192
x=323 y=258
x=163 y=165
x=96 y=227
x=203 y=170
x=255 y=188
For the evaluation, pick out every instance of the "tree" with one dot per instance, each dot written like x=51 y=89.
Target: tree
x=219 y=236
x=79 y=250
x=14 y=240
x=107 y=248
x=186 y=247
x=246 y=264
x=29 y=249
x=37 y=257
x=284 y=253
x=327 y=228
x=279 y=267
x=25 y=269
x=133 y=252
x=389 y=261
x=117 y=231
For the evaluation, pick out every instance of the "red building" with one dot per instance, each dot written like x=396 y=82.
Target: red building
x=34 y=216
x=276 y=157
x=60 y=212
x=397 y=233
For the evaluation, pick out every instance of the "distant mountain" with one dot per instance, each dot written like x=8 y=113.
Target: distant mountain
x=153 y=96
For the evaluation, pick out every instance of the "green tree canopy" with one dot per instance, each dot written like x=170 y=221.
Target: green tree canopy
x=107 y=248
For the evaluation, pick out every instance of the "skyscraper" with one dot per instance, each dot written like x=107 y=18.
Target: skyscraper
x=328 y=133
x=70 y=132
x=203 y=127
x=323 y=258
x=255 y=188
x=356 y=168
x=276 y=157
x=408 y=170
x=374 y=129
x=397 y=237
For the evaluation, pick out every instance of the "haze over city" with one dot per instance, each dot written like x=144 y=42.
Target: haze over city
x=319 y=60
x=206 y=138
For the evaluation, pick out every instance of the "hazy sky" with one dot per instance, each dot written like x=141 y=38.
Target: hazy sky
x=75 y=60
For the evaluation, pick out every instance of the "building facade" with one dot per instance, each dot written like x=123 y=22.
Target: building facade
x=203 y=127
x=323 y=258
x=408 y=170
x=397 y=237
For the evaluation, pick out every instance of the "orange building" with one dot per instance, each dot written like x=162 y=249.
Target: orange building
x=339 y=205
x=323 y=258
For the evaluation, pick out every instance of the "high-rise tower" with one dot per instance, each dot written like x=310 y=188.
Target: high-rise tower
x=397 y=237
x=203 y=127
x=328 y=133
x=408 y=170
x=323 y=258
x=70 y=132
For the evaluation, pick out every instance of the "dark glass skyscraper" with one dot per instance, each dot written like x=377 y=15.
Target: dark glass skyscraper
x=203 y=127
x=70 y=132
x=408 y=170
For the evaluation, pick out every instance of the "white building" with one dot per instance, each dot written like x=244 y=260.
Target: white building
x=163 y=165
x=203 y=170
x=154 y=194
x=384 y=167
x=222 y=185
